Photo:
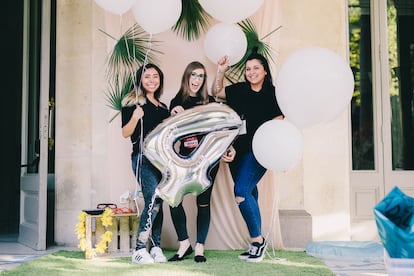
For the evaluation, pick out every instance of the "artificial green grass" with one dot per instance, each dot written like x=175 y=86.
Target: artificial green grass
x=219 y=262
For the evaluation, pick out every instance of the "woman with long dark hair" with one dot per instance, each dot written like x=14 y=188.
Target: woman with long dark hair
x=142 y=111
x=255 y=102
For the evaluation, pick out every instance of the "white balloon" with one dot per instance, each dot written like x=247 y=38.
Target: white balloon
x=225 y=39
x=156 y=16
x=116 y=6
x=230 y=11
x=278 y=145
x=314 y=85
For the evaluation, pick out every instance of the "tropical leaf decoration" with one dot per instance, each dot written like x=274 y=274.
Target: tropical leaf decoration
x=117 y=90
x=193 y=21
x=131 y=51
x=236 y=72
x=136 y=47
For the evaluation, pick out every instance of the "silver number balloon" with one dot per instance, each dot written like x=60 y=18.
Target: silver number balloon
x=182 y=175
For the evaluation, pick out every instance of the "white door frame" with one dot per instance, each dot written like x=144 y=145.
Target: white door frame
x=33 y=186
x=370 y=187
x=401 y=178
x=367 y=186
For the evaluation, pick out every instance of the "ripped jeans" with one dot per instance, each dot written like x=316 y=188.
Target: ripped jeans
x=149 y=178
x=179 y=218
x=247 y=172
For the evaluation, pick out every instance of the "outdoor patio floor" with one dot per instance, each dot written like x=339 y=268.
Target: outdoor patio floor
x=13 y=254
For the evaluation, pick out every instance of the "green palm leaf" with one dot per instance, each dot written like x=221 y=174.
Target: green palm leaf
x=117 y=90
x=193 y=20
x=133 y=49
x=236 y=72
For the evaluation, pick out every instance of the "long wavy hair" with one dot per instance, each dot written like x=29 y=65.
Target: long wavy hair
x=184 y=92
x=138 y=94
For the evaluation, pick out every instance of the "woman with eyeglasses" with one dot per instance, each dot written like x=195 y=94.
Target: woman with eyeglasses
x=141 y=112
x=255 y=102
x=193 y=92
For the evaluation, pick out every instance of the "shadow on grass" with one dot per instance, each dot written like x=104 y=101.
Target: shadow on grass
x=219 y=262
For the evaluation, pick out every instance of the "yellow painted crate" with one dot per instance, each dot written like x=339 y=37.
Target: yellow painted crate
x=124 y=232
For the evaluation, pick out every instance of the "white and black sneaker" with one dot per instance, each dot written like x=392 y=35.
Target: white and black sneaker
x=246 y=254
x=257 y=251
x=141 y=256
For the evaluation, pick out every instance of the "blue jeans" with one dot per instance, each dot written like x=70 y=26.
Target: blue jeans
x=149 y=178
x=247 y=172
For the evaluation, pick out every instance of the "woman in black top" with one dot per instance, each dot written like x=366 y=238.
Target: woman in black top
x=193 y=92
x=141 y=113
x=255 y=102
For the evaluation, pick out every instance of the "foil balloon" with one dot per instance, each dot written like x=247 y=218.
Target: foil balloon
x=189 y=174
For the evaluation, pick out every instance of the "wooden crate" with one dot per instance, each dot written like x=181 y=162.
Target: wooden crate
x=124 y=233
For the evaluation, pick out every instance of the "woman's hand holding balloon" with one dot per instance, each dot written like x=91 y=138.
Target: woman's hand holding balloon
x=223 y=64
x=229 y=155
x=177 y=109
x=138 y=113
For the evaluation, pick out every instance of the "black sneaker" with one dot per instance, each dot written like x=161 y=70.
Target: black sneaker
x=246 y=254
x=257 y=251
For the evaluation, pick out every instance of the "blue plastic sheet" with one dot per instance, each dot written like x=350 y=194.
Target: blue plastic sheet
x=361 y=250
x=394 y=216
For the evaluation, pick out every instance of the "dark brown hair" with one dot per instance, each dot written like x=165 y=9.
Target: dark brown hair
x=255 y=55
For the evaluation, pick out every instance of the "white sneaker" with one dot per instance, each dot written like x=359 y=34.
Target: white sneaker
x=141 y=256
x=246 y=254
x=257 y=251
x=157 y=255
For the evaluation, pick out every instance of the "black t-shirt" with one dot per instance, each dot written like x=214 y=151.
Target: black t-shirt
x=255 y=108
x=153 y=115
x=190 y=143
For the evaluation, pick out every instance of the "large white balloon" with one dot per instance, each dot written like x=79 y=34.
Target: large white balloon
x=225 y=39
x=116 y=6
x=314 y=85
x=278 y=145
x=230 y=11
x=156 y=16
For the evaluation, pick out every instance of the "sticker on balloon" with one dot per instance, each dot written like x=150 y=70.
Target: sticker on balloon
x=217 y=123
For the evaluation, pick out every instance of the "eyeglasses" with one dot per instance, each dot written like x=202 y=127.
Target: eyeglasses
x=106 y=205
x=194 y=75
